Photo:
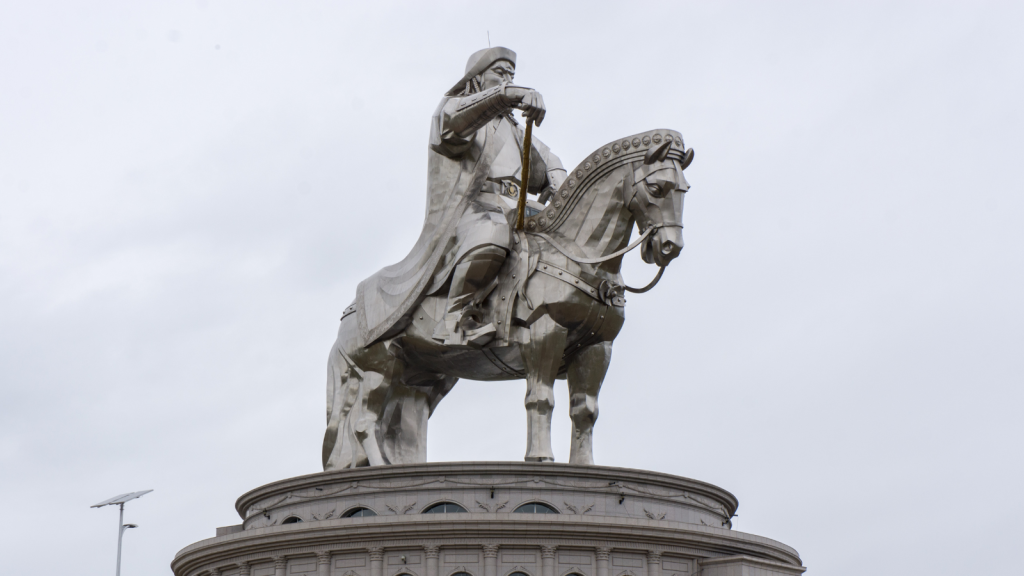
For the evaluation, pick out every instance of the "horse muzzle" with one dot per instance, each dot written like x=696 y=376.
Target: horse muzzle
x=666 y=244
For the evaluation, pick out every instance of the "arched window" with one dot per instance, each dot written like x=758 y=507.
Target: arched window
x=536 y=508
x=444 y=508
x=359 y=513
x=292 y=520
x=519 y=574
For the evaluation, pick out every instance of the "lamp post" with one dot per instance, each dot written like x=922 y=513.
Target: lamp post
x=121 y=526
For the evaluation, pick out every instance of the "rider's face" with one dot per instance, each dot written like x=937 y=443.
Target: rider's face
x=500 y=71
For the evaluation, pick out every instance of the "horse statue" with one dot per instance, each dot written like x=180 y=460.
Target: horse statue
x=557 y=304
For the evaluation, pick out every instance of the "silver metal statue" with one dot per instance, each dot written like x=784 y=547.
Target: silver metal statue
x=477 y=298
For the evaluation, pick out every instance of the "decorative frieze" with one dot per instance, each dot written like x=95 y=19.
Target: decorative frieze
x=398 y=509
x=473 y=487
x=578 y=509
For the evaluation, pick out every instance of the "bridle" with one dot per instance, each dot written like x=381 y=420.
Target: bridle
x=650 y=229
x=629 y=193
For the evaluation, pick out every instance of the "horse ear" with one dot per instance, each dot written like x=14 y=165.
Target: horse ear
x=657 y=154
x=687 y=158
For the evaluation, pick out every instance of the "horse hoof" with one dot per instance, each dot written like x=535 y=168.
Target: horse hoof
x=539 y=459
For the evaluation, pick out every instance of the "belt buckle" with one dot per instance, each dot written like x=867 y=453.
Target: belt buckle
x=510 y=189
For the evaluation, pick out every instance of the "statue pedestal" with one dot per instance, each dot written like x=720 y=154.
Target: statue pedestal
x=595 y=521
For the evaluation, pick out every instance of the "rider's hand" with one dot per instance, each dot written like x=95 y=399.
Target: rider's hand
x=529 y=101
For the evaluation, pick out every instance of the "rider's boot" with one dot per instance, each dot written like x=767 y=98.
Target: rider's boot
x=472 y=280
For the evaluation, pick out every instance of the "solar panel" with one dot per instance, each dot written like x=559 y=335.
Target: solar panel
x=121 y=498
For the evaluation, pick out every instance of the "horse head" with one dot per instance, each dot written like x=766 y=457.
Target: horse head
x=644 y=175
x=654 y=195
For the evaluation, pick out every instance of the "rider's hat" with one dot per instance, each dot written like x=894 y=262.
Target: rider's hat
x=482 y=60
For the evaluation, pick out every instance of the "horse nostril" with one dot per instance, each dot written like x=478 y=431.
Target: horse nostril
x=667 y=248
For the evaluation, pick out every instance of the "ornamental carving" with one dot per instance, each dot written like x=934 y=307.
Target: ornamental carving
x=654 y=515
x=490 y=550
x=400 y=510
x=492 y=507
x=579 y=509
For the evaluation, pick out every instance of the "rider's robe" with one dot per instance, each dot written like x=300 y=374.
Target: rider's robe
x=457 y=170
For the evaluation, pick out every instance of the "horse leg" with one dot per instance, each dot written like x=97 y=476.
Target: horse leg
x=404 y=420
x=374 y=388
x=403 y=425
x=542 y=356
x=586 y=373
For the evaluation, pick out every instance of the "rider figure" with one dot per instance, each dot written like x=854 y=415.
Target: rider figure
x=483 y=101
x=474 y=165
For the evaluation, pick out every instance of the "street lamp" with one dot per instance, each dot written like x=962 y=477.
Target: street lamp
x=121 y=526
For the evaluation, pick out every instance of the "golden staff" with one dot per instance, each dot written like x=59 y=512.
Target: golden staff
x=527 y=146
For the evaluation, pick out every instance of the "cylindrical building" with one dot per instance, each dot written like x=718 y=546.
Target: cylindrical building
x=486 y=519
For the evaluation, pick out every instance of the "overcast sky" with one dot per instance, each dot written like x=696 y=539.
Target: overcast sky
x=190 y=192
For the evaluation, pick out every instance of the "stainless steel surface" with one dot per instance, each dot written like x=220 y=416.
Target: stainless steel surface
x=468 y=302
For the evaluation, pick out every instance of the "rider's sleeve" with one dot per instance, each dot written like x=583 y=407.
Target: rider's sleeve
x=459 y=118
x=443 y=139
x=474 y=111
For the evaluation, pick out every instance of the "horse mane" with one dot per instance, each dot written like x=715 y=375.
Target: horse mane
x=594 y=169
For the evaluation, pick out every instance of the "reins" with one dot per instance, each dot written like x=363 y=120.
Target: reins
x=661 y=270
x=602 y=258
x=627 y=249
x=526 y=148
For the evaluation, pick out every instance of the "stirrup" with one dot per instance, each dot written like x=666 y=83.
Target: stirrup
x=466 y=332
x=473 y=339
x=480 y=336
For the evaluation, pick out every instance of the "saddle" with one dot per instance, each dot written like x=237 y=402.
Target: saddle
x=527 y=258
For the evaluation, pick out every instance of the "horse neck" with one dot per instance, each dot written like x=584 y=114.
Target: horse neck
x=598 y=222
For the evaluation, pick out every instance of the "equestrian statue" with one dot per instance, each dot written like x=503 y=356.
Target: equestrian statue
x=500 y=286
